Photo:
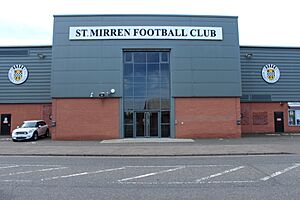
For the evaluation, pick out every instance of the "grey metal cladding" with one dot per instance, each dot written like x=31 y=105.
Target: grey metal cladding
x=36 y=89
x=256 y=89
x=198 y=67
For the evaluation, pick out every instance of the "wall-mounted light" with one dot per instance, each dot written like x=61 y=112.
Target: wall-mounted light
x=248 y=55
x=105 y=94
x=112 y=91
x=41 y=56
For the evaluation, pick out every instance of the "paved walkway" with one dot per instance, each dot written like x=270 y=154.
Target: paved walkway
x=254 y=145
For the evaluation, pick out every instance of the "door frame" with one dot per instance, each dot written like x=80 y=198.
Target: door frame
x=279 y=122
x=2 y=116
x=147 y=127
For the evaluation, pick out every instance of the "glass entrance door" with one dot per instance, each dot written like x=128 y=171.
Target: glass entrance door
x=146 y=124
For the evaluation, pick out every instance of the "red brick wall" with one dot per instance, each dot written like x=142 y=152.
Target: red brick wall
x=207 y=117
x=86 y=119
x=249 y=110
x=21 y=112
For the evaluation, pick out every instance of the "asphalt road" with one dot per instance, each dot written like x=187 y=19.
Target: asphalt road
x=88 y=178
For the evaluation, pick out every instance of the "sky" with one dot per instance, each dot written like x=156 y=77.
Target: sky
x=261 y=22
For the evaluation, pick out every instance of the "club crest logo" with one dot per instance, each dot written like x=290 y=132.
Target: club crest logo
x=18 y=74
x=270 y=73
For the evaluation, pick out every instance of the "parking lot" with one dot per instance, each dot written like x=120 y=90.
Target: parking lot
x=147 y=174
x=160 y=177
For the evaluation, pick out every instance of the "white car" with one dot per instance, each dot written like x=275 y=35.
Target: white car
x=30 y=130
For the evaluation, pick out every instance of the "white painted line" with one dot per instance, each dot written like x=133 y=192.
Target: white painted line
x=280 y=172
x=82 y=174
x=12 y=166
x=40 y=165
x=151 y=174
x=33 y=171
x=169 y=166
x=216 y=182
x=15 y=181
x=25 y=165
x=184 y=183
x=219 y=174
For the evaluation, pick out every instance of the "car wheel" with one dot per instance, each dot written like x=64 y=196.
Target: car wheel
x=35 y=136
x=14 y=140
x=47 y=133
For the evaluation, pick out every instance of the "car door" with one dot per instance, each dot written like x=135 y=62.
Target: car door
x=43 y=127
x=39 y=128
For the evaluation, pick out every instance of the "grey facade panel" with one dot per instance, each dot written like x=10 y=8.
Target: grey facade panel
x=100 y=61
x=36 y=89
x=85 y=90
x=79 y=64
x=253 y=86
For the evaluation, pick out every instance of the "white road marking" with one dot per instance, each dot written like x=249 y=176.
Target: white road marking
x=230 y=182
x=12 y=166
x=15 y=181
x=218 y=174
x=39 y=165
x=82 y=174
x=183 y=183
x=168 y=166
x=151 y=174
x=33 y=171
x=29 y=165
x=280 y=172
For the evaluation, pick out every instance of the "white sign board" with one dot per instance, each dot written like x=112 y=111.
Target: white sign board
x=145 y=32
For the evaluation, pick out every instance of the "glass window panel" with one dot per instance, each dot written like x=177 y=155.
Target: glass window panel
x=140 y=90
x=153 y=79
x=154 y=124
x=294 y=117
x=153 y=90
x=128 y=117
x=153 y=70
x=128 y=103
x=128 y=57
x=165 y=104
x=153 y=57
x=139 y=57
x=139 y=69
x=165 y=90
x=153 y=103
x=164 y=56
x=128 y=131
x=128 y=80
x=128 y=89
x=128 y=70
x=140 y=124
x=165 y=117
x=139 y=80
x=140 y=103
x=165 y=130
x=165 y=72
x=292 y=120
x=165 y=79
x=297 y=117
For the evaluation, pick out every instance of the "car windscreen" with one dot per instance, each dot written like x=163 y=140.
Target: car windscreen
x=28 y=125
